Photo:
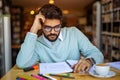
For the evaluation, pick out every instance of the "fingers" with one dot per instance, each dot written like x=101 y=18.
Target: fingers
x=40 y=16
x=37 y=24
x=77 y=67
x=82 y=66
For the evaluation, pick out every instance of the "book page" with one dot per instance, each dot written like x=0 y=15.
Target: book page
x=115 y=65
x=54 y=68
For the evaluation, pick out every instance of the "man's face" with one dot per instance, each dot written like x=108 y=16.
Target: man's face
x=51 y=29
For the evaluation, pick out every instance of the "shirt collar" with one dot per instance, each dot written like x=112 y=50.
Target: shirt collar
x=60 y=36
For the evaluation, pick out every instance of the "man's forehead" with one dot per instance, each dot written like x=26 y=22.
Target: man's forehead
x=51 y=26
x=52 y=22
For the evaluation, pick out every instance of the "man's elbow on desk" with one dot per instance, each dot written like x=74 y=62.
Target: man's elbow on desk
x=99 y=59
x=20 y=64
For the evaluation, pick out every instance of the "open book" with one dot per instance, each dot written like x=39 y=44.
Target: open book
x=56 y=68
x=115 y=64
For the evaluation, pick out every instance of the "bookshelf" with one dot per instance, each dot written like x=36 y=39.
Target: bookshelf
x=110 y=32
x=16 y=30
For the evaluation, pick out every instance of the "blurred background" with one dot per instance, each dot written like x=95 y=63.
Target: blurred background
x=99 y=20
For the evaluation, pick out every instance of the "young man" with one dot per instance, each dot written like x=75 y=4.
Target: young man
x=56 y=44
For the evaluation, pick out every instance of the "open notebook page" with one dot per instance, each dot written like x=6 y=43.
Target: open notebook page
x=56 y=68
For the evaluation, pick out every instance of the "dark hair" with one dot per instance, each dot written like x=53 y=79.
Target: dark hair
x=51 y=11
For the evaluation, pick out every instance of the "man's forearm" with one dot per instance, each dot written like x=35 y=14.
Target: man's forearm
x=26 y=52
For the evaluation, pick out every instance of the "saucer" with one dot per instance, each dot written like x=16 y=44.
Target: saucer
x=110 y=74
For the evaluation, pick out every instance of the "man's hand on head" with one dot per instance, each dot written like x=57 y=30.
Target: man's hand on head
x=37 y=23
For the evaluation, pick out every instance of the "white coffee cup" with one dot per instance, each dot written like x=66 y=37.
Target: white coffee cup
x=102 y=69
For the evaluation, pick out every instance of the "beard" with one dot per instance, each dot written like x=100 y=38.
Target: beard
x=51 y=37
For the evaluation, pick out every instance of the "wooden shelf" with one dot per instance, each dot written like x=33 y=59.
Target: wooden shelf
x=111 y=34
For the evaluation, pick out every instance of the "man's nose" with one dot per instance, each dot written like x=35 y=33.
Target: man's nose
x=52 y=31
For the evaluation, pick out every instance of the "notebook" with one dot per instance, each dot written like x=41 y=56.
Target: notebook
x=115 y=64
x=57 y=68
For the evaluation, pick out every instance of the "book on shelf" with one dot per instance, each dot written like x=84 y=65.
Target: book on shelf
x=56 y=68
x=115 y=55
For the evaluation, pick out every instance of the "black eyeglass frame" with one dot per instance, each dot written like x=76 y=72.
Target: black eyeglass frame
x=49 y=28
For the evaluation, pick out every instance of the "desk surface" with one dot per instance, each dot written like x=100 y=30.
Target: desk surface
x=14 y=72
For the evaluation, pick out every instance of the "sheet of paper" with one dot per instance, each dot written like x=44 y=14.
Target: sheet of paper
x=54 y=68
x=115 y=64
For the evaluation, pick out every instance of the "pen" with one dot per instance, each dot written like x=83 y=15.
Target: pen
x=62 y=75
x=47 y=76
x=38 y=77
x=69 y=64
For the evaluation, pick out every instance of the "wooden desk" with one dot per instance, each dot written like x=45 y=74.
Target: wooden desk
x=14 y=72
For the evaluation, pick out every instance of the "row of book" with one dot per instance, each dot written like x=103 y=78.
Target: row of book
x=106 y=27
x=111 y=53
x=116 y=3
x=116 y=15
x=105 y=1
x=107 y=7
x=107 y=17
x=114 y=41
x=115 y=55
x=16 y=24
x=106 y=50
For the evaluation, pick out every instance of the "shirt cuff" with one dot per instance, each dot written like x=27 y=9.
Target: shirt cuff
x=91 y=60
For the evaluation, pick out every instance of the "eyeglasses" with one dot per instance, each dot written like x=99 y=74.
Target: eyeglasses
x=49 y=28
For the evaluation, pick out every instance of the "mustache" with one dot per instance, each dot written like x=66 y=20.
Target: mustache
x=52 y=35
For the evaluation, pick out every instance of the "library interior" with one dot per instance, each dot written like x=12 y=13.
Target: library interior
x=99 y=20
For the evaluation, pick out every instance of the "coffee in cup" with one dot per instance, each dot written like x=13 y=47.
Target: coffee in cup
x=102 y=69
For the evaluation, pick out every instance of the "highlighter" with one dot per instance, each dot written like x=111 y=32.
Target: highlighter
x=25 y=77
x=37 y=77
x=35 y=67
